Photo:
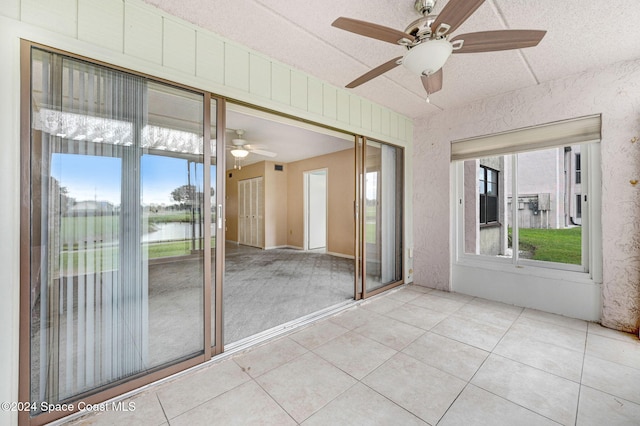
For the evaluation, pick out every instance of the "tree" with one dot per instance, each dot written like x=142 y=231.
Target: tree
x=187 y=194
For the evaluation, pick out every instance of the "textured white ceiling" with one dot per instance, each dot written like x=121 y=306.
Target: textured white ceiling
x=581 y=34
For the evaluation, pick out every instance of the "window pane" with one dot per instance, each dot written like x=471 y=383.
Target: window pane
x=484 y=210
x=547 y=227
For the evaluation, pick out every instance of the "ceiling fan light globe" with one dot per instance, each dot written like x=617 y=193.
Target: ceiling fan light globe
x=239 y=153
x=427 y=57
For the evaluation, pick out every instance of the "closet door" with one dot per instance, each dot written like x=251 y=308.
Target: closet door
x=251 y=212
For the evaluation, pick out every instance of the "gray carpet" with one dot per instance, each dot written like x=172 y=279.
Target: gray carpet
x=266 y=288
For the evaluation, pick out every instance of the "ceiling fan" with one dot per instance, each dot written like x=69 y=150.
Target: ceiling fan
x=240 y=148
x=428 y=42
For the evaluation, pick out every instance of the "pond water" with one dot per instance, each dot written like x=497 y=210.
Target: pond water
x=170 y=231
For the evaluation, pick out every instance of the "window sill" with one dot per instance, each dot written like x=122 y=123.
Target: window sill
x=490 y=225
x=525 y=268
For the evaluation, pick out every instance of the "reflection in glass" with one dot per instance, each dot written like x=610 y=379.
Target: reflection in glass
x=383 y=214
x=116 y=227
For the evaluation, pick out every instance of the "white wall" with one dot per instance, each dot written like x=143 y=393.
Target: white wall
x=613 y=91
x=136 y=36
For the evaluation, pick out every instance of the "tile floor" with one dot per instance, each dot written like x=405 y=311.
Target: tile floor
x=413 y=357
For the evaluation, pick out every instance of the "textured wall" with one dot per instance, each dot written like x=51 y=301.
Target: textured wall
x=613 y=91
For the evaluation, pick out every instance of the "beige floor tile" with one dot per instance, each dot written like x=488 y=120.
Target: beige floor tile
x=478 y=407
x=403 y=295
x=248 y=404
x=355 y=317
x=474 y=333
x=550 y=333
x=392 y=333
x=614 y=350
x=359 y=406
x=546 y=394
x=488 y=314
x=419 y=288
x=545 y=356
x=199 y=386
x=414 y=315
x=355 y=354
x=382 y=304
x=305 y=385
x=141 y=409
x=316 y=334
x=598 y=408
x=436 y=303
x=498 y=306
x=417 y=387
x=259 y=360
x=596 y=328
x=448 y=355
x=453 y=295
x=576 y=324
x=612 y=378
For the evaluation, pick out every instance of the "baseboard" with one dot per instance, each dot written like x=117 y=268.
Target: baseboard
x=277 y=247
x=346 y=256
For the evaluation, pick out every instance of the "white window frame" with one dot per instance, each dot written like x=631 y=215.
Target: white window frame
x=590 y=269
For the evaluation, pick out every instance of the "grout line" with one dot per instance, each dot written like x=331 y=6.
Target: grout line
x=274 y=400
x=162 y=407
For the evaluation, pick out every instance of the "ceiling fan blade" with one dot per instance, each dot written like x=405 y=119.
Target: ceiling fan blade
x=369 y=29
x=263 y=152
x=432 y=83
x=381 y=69
x=454 y=13
x=489 y=41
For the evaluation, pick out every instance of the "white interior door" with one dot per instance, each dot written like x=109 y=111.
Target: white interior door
x=316 y=209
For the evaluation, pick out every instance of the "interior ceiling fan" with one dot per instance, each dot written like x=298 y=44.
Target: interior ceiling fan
x=240 y=147
x=428 y=41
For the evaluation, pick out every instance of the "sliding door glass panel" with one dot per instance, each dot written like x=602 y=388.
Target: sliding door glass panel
x=383 y=189
x=172 y=191
x=116 y=270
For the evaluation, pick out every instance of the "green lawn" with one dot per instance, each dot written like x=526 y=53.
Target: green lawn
x=552 y=245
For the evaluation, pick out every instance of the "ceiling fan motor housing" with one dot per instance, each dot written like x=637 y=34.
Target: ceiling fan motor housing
x=427 y=57
x=424 y=7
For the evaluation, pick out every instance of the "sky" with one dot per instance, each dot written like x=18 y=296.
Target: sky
x=97 y=178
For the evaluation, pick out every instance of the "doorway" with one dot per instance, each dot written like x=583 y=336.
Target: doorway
x=315 y=215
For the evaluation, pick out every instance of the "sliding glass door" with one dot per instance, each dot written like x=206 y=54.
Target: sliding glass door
x=382 y=199
x=117 y=237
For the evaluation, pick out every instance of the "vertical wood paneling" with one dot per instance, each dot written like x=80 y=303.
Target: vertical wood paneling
x=384 y=121
x=209 y=57
x=145 y=33
x=376 y=111
x=393 y=125
x=343 y=106
x=365 y=107
x=315 y=96
x=329 y=101
x=236 y=67
x=179 y=47
x=299 y=87
x=260 y=76
x=280 y=83
x=142 y=33
x=402 y=128
x=100 y=22
x=355 y=115
x=60 y=16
